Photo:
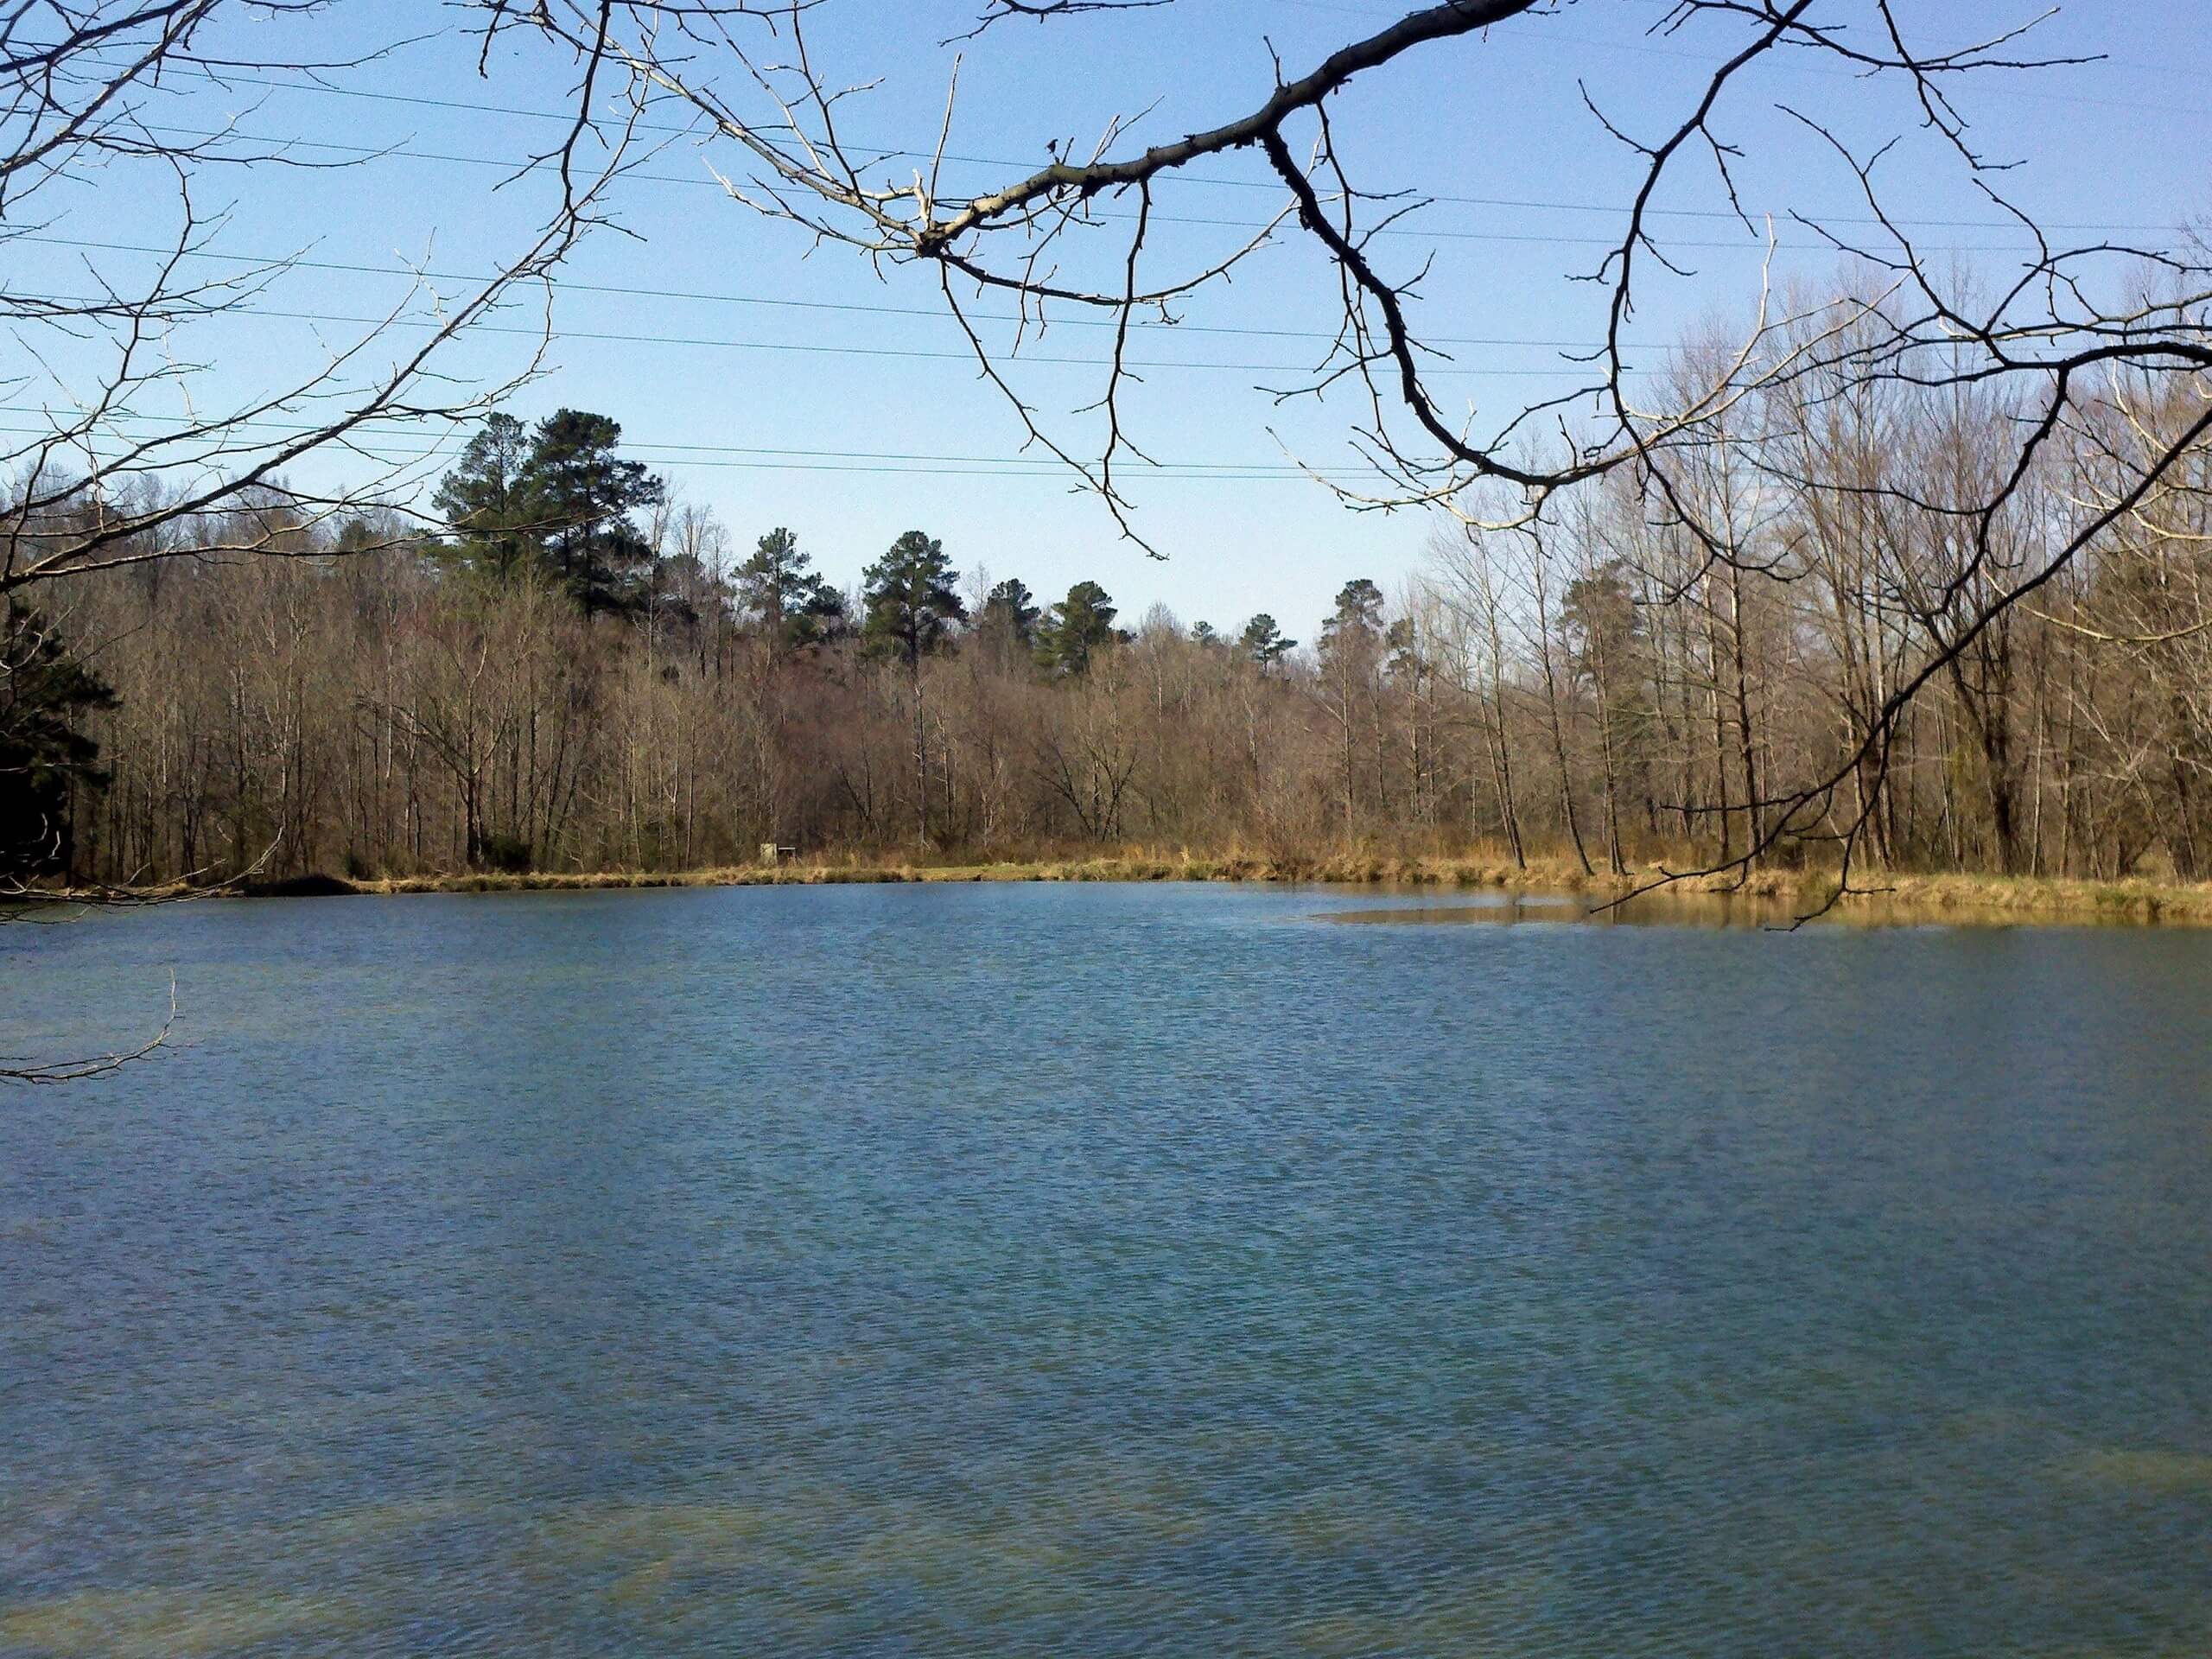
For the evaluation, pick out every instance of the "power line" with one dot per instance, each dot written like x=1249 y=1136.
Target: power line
x=805 y=348
x=1053 y=465
x=1007 y=467
x=935 y=313
x=1745 y=244
x=878 y=154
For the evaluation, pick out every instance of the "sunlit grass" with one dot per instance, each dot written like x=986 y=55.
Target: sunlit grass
x=1878 y=896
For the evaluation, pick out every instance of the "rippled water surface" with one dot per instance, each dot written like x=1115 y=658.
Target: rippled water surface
x=1089 y=1270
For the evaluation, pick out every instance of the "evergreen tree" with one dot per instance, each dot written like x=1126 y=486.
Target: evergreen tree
x=557 y=505
x=1010 y=613
x=911 y=609
x=1403 y=640
x=1598 y=616
x=381 y=531
x=1350 y=652
x=910 y=599
x=1355 y=626
x=584 y=495
x=44 y=692
x=1203 y=634
x=486 y=500
x=779 y=588
x=1077 y=629
x=1606 y=651
x=1263 y=642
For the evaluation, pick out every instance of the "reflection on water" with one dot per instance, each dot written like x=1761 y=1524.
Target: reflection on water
x=1104 y=1270
x=1663 y=907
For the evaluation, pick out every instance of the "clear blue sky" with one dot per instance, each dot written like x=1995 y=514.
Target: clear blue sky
x=1496 y=122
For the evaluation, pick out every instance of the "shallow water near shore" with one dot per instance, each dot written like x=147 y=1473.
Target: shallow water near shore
x=1104 y=1270
x=1662 y=907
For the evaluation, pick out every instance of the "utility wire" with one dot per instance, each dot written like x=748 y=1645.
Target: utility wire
x=508 y=167
x=284 y=428
x=934 y=312
x=951 y=467
x=807 y=348
x=877 y=155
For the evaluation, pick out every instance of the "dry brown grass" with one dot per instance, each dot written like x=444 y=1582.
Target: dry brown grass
x=1964 y=898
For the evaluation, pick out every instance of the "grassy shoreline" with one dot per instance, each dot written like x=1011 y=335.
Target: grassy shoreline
x=1949 y=897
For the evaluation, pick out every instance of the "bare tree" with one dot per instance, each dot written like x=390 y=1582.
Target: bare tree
x=1938 y=462
x=2048 y=349
x=128 y=460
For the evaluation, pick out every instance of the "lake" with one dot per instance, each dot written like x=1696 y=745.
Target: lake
x=1103 y=1270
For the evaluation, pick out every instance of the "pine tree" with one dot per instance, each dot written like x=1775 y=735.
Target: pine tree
x=44 y=692
x=779 y=588
x=911 y=609
x=1350 y=651
x=1356 y=623
x=1263 y=642
x=911 y=603
x=1010 y=613
x=558 y=506
x=584 y=495
x=486 y=500
x=1077 y=629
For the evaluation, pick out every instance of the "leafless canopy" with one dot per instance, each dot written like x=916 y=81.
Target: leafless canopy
x=2078 y=336
x=125 y=459
x=2084 y=367
x=118 y=455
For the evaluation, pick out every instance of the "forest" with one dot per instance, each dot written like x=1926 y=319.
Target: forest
x=582 y=672
x=1903 y=571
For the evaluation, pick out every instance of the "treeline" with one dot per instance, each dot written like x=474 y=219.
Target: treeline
x=588 y=675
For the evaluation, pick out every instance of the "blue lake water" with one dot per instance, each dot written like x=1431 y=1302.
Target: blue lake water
x=1102 y=1270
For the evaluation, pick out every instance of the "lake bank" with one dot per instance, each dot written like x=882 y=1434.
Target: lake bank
x=1901 y=897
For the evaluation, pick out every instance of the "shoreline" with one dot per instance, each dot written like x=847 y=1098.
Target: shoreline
x=1985 y=899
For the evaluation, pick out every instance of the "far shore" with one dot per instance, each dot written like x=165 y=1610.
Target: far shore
x=1985 y=899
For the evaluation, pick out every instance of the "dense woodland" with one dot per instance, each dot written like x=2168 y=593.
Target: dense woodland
x=584 y=673
x=1910 y=573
